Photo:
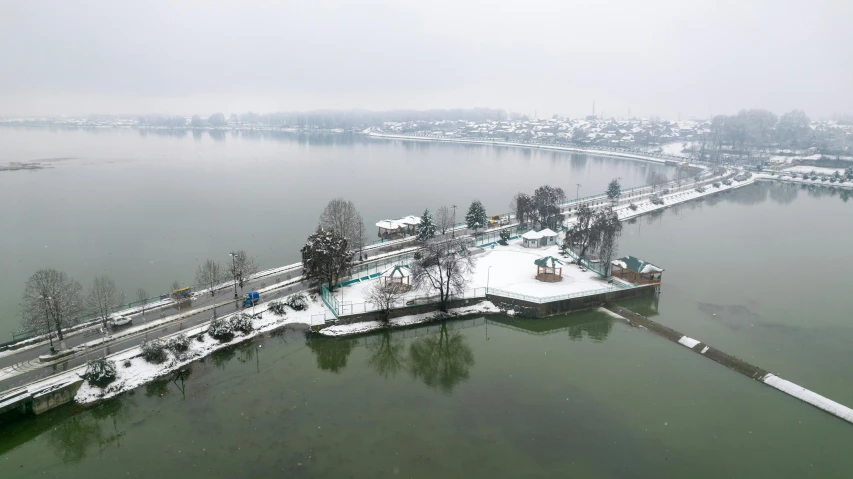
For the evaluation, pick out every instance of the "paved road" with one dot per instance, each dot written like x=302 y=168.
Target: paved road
x=31 y=369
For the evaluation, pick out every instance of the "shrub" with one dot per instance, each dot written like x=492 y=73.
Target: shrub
x=126 y=363
x=100 y=372
x=220 y=328
x=154 y=351
x=178 y=344
x=716 y=184
x=277 y=308
x=298 y=302
x=665 y=191
x=241 y=322
x=727 y=182
x=700 y=189
x=505 y=235
x=656 y=200
x=633 y=207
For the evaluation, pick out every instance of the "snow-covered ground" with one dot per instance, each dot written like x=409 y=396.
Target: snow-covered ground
x=789 y=179
x=484 y=307
x=803 y=169
x=141 y=372
x=674 y=148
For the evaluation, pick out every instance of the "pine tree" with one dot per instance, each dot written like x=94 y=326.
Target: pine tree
x=426 y=230
x=476 y=217
x=325 y=257
x=614 y=190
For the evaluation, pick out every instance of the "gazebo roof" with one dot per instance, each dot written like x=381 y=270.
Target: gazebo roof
x=548 y=261
x=397 y=272
x=632 y=263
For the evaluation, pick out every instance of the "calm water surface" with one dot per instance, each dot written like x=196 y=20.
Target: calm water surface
x=582 y=395
x=148 y=209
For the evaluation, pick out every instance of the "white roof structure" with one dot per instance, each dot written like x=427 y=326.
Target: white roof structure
x=399 y=223
x=532 y=235
x=397 y=272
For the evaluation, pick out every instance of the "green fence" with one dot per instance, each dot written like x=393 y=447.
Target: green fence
x=596 y=267
x=330 y=300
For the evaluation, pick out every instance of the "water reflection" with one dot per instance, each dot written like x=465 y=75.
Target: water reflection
x=387 y=354
x=441 y=361
x=331 y=354
x=73 y=437
x=595 y=327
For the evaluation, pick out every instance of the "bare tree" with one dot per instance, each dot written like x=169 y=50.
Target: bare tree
x=384 y=295
x=241 y=269
x=341 y=218
x=655 y=179
x=104 y=298
x=176 y=285
x=142 y=297
x=443 y=267
x=209 y=275
x=443 y=219
x=50 y=303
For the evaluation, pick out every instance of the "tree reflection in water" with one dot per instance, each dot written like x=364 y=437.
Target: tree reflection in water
x=596 y=331
x=331 y=354
x=74 y=436
x=386 y=356
x=442 y=360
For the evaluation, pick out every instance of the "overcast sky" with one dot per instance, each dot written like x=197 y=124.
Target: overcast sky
x=649 y=57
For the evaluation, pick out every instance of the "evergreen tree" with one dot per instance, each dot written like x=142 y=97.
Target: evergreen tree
x=614 y=190
x=325 y=257
x=476 y=217
x=426 y=230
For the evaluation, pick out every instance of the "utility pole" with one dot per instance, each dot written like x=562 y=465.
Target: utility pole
x=233 y=269
x=453 y=228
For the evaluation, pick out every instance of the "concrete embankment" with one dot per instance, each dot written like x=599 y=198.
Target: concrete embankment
x=736 y=364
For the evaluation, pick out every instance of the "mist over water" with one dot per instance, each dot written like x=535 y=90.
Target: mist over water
x=147 y=209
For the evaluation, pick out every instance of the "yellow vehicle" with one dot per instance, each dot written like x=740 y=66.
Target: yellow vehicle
x=685 y=164
x=498 y=220
x=183 y=293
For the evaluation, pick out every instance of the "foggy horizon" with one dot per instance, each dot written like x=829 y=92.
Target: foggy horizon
x=655 y=58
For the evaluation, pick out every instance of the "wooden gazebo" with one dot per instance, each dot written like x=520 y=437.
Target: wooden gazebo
x=549 y=269
x=635 y=270
x=398 y=275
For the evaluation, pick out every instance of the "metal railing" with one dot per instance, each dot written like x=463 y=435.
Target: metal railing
x=550 y=299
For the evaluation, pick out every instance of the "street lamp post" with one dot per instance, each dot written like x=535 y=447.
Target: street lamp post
x=578 y=194
x=453 y=226
x=488 y=276
x=233 y=269
x=47 y=321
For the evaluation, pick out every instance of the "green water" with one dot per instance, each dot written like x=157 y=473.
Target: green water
x=754 y=272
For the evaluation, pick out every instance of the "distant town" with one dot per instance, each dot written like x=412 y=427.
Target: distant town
x=751 y=137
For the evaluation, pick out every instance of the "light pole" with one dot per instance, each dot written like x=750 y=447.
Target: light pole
x=233 y=269
x=47 y=320
x=453 y=227
x=578 y=194
x=488 y=276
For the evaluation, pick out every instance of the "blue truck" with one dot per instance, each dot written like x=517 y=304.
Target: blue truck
x=251 y=299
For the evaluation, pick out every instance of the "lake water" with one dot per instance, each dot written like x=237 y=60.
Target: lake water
x=147 y=209
x=754 y=272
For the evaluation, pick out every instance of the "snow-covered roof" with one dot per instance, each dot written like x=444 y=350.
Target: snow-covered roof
x=397 y=272
x=547 y=261
x=531 y=235
x=399 y=223
x=632 y=263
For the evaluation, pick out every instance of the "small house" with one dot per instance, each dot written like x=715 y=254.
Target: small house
x=399 y=228
x=398 y=275
x=635 y=270
x=539 y=239
x=549 y=269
